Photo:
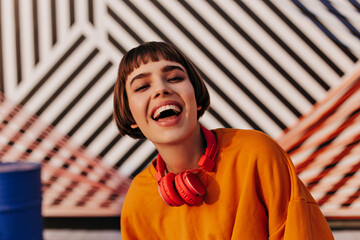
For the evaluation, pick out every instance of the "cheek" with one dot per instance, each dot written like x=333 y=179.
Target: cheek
x=190 y=94
x=135 y=107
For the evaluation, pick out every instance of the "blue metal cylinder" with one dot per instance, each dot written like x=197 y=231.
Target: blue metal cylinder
x=20 y=201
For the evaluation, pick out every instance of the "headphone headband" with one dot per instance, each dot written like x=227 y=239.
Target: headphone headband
x=207 y=161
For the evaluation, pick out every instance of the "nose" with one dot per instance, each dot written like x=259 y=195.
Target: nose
x=161 y=90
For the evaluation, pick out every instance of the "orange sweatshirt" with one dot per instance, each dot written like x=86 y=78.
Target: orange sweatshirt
x=253 y=193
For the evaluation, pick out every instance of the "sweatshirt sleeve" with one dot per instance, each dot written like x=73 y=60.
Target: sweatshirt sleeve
x=293 y=214
x=304 y=218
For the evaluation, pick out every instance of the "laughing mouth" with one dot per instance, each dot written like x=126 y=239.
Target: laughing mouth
x=166 y=111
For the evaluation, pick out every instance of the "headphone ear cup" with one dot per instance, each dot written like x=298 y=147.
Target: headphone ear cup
x=168 y=192
x=190 y=188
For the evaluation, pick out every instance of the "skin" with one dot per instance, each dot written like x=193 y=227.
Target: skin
x=177 y=138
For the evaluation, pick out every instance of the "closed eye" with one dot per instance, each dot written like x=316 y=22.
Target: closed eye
x=176 y=79
x=143 y=87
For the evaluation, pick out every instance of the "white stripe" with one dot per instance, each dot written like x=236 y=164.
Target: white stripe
x=136 y=159
x=133 y=21
x=254 y=58
x=62 y=20
x=333 y=25
x=274 y=50
x=8 y=47
x=315 y=35
x=294 y=42
x=44 y=28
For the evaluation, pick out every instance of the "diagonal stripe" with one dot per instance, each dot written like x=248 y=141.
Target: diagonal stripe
x=147 y=21
x=316 y=77
x=331 y=192
x=351 y=199
x=67 y=82
x=331 y=36
x=305 y=38
x=321 y=119
x=326 y=143
x=53 y=69
x=283 y=72
x=124 y=25
x=341 y=18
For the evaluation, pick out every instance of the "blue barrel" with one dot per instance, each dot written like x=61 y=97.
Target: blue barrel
x=20 y=201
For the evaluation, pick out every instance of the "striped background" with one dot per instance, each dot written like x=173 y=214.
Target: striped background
x=276 y=66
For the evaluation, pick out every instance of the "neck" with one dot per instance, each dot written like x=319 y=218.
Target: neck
x=185 y=155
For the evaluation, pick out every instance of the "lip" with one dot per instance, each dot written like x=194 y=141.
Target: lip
x=164 y=104
x=169 y=122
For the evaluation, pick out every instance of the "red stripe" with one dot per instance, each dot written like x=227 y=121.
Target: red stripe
x=335 y=160
x=330 y=193
x=315 y=126
x=301 y=166
x=352 y=198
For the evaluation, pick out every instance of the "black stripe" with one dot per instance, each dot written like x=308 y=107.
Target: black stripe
x=231 y=102
x=352 y=198
x=82 y=93
x=17 y=41
x=286 y=20
x=147 y=21
x=53 y=22
x=92 y=109
x=110 y=145
x=258 y=48
x=71 y=12
x=355 y=4
x=221 y=66
x=91 y=12
x=65 y=56
x=128 y=153
x=144 y=164
x=35 y=31
x=341 y=18
x=219 y=118
x=306 y=67
x=321 y=26
x=124 y=25
x=67 y=81
x=98 y=131
x=116 y=44
x=261 y=78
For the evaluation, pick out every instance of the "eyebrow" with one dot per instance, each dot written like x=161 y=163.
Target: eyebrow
x=167 y=68
x=139 y=76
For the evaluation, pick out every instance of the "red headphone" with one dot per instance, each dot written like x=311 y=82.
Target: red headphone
x=186 y=187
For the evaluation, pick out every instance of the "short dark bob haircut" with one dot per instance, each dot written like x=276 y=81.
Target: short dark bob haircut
x=144 y=53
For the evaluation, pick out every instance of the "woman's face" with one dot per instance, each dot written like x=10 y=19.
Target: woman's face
x=162 y=101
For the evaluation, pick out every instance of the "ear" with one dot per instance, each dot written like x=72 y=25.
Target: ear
x=134 y=126
x=199 y=108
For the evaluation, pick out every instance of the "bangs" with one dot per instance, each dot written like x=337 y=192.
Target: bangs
x=144 y=54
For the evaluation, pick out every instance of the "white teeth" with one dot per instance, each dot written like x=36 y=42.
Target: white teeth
x=164 y=108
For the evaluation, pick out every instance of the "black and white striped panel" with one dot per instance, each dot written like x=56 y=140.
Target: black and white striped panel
x=266 y=63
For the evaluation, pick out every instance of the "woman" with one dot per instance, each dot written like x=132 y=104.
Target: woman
x=219 y=184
